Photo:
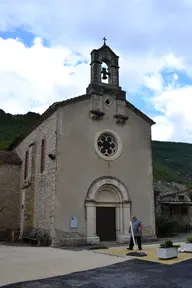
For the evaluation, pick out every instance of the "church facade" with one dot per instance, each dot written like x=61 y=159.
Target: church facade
x=86 y=166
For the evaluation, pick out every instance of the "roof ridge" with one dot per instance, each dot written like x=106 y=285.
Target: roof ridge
x=59 y=104
x=9 y=157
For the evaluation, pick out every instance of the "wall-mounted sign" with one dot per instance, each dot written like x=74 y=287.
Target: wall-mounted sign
x=73 y=222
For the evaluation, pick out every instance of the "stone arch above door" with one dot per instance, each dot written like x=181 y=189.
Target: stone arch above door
x=106 y=192
x=108 y=181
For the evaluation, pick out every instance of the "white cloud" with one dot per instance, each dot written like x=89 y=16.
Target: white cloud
x=175 y=123
x=139 y=26
x=154 y=82
x=149 y=36
x=163 y=130
x=175 y=77
x=32 y=78
x=146 y=70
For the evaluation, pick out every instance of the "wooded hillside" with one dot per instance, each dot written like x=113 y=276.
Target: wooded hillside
x=171 y=161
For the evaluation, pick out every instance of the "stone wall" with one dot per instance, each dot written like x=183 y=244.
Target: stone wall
x=168 y=196
x=38 y=190
x=28 y=188
x=9 y=196
x=70 y=238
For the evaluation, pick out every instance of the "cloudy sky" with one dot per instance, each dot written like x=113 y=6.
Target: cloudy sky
x=45 y=50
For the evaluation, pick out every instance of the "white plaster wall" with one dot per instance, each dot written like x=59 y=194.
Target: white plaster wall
x=78 y=164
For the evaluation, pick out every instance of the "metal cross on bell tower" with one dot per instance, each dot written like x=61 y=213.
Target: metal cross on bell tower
x=104 y=39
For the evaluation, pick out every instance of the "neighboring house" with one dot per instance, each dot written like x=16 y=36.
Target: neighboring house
x=174 y=201
x=10 y=175
x=87 y=164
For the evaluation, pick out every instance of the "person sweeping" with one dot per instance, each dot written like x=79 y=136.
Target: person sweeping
x=137 y=232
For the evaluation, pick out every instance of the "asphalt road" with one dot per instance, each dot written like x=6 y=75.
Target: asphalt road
x=133 y=274
x=20 y=263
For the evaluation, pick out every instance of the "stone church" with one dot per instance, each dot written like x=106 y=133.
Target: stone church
x=84 y=168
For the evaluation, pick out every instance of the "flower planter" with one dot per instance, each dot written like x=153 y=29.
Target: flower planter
x=167 y=253
x=188 y=247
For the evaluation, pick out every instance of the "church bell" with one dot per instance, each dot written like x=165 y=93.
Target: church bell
x=104 y=77
x=104 y=72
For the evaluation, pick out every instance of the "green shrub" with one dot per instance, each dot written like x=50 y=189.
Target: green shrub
x=168 y=244
x=166 y=226
x=189 y=239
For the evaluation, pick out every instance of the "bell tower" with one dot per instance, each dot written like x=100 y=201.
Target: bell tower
x=105 y=80
x=106 y=56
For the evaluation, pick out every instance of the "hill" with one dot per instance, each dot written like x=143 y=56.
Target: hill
x=172 y=162
x=11 y=126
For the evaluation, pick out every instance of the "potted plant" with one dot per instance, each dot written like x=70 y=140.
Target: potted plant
x=167 y=250
x=188 y=244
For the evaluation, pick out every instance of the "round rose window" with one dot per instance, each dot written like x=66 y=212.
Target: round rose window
x=107 y=144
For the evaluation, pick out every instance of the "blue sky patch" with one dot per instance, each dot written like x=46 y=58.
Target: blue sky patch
x=72 y=64
x=25 y=36
x=183 y=78
x=141 y=100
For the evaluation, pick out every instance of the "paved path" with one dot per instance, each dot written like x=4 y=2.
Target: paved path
x=18 y=263
x=131 y=274
x=28 y=263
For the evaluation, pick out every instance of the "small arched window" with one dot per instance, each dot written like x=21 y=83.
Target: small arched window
x=42 y=165
x=26 y=165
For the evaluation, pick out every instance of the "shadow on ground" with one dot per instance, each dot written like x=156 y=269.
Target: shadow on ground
x=133 y=274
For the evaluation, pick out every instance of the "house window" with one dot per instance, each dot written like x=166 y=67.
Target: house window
x=181 y=197
x=42 y=167
x=26 y=165
x=184 y=210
